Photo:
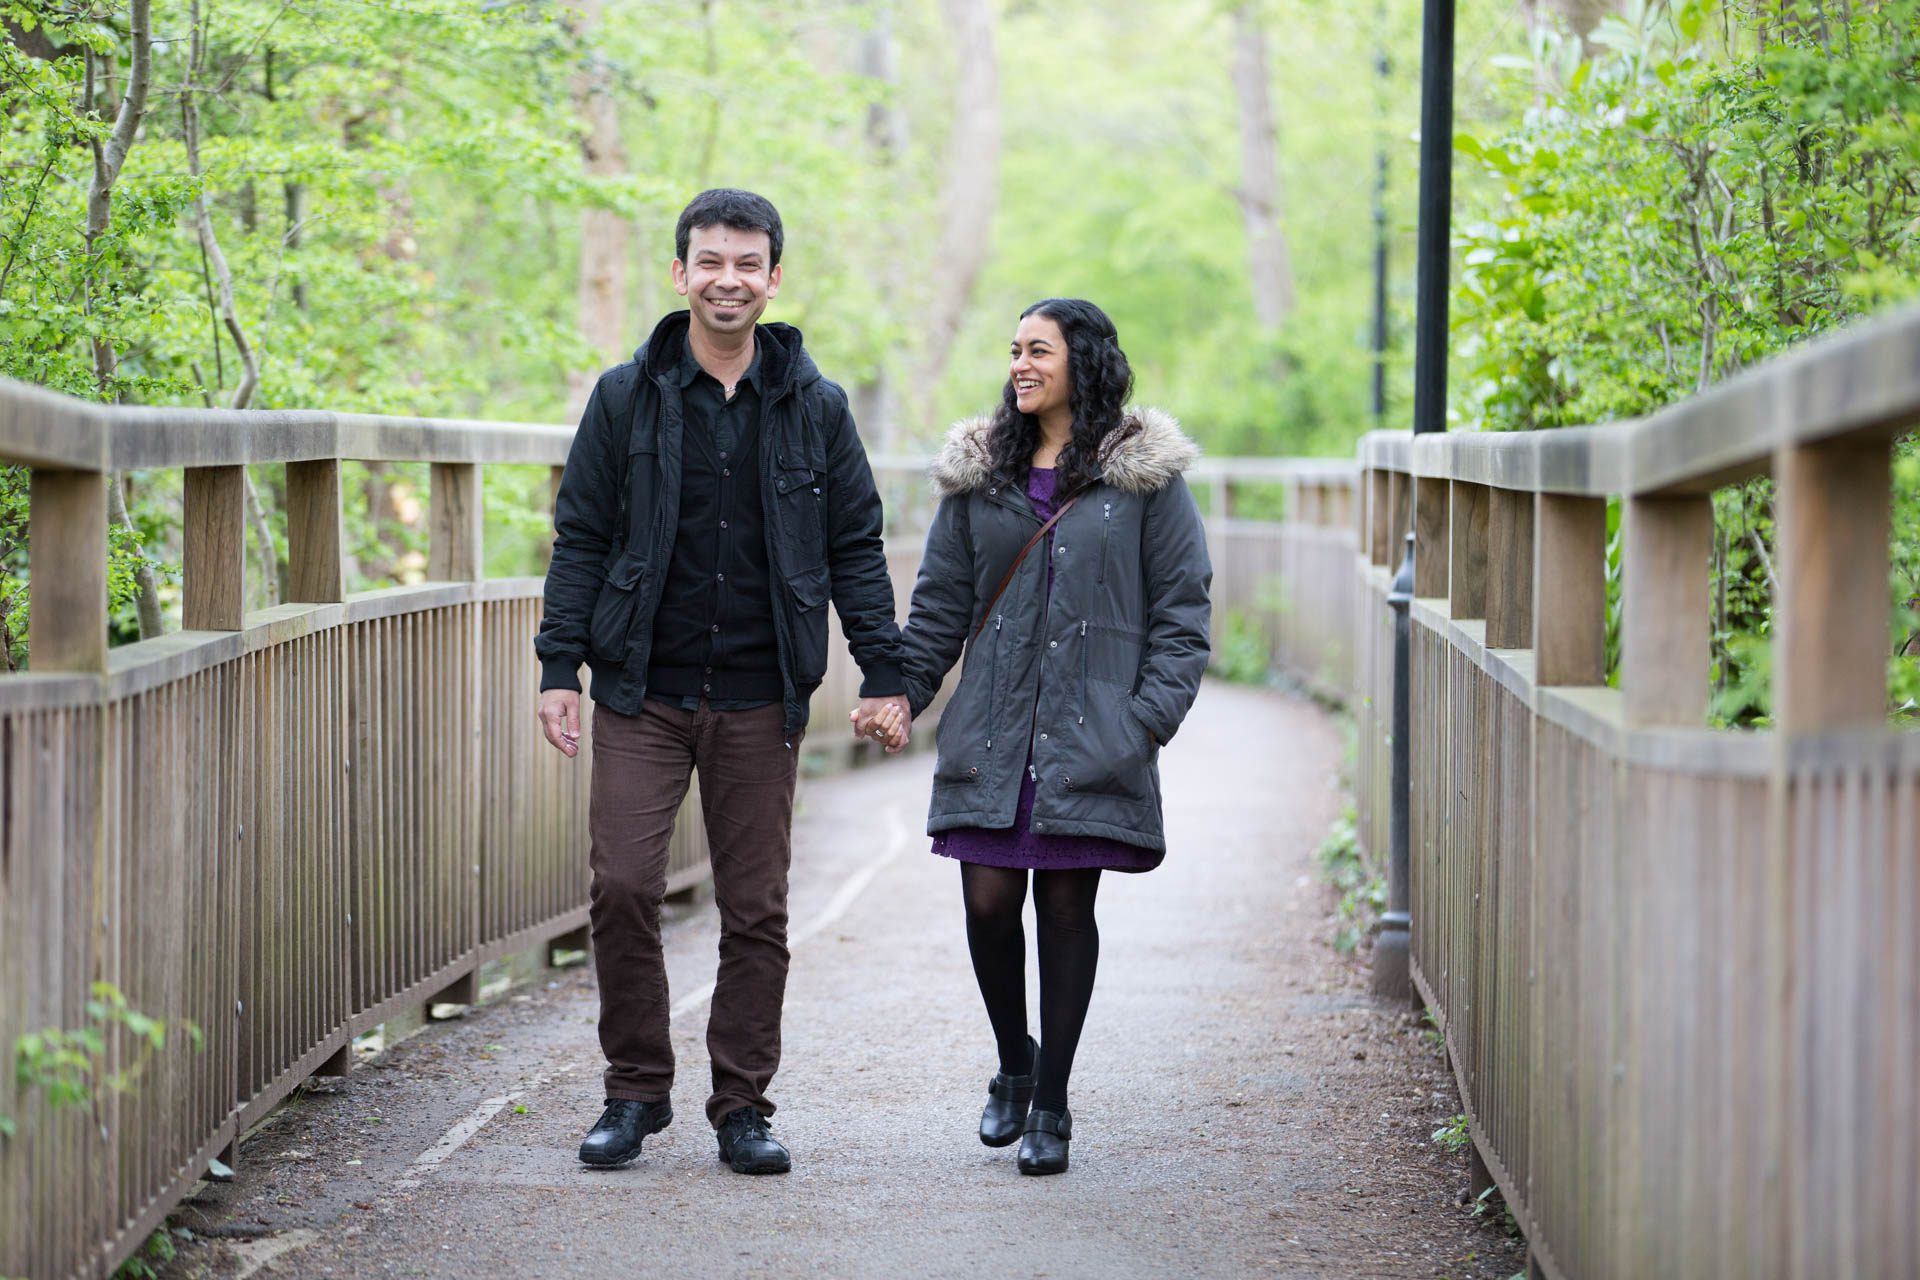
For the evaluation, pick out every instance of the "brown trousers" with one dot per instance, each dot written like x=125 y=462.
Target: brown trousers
x=641 y=765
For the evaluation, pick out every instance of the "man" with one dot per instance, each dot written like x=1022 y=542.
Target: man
x=716 y=496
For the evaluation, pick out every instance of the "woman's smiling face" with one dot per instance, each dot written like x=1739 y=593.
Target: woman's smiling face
x=1038 y=369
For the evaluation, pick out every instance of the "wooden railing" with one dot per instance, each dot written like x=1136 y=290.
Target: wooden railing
x=284 y=827
x=1676 y=968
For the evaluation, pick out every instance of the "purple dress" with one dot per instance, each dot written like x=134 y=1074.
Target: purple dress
x=1017 y=846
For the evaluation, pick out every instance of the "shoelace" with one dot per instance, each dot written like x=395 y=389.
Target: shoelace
x=751 y=1125
x=619 y=1111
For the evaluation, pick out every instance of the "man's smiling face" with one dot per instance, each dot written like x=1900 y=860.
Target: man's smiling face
x=726 y=278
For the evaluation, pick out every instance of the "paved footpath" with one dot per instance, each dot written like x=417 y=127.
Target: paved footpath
x=1240 y=1108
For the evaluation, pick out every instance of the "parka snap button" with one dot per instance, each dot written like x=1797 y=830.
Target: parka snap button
x=1039 y=826
x=1053 y=644
x=1043 y=737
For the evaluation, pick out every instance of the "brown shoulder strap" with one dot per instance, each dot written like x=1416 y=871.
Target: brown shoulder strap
x=1007 y=579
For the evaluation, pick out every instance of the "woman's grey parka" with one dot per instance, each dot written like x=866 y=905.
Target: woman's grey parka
x=1097 y=675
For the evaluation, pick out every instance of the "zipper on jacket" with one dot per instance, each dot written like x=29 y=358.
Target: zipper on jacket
x=993 y=675
x=1106 y=527
x=1083 y=671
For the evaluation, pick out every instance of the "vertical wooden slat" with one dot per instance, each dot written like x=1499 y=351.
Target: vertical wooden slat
x=1570 y=590
x=315 y=532
x=1665 y=636
x=67 y=626
x=214 y=551
x=1510 y=570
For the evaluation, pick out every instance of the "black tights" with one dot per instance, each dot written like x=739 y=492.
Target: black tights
x=1069 y=954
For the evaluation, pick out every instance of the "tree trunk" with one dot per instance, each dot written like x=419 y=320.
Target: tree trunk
x=216 y=259
x=1269 y=270
x=875 y=403
x=602 y=281
x=970 y=189
x=109 y=156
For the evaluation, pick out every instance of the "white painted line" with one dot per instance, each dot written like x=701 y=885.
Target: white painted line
x=897 y=838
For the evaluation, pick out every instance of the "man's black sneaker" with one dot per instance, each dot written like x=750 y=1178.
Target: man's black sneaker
x=746 y=1145
x=615 y=1140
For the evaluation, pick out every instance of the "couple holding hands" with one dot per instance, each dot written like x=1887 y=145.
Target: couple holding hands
x=715 y=499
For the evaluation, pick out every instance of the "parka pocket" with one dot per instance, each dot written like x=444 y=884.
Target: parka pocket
x=1113 y=756
x=610 y=631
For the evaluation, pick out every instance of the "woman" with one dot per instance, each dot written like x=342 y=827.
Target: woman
x=1083 y=656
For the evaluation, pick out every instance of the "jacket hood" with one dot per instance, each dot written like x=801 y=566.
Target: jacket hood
x=1146 y=451
x=783 y=353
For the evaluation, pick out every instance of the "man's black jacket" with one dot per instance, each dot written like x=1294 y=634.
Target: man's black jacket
x=618 y=507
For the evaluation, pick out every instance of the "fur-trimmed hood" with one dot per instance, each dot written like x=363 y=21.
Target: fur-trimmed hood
x=1135 y=461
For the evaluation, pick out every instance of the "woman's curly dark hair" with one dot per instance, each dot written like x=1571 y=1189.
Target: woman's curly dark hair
x=1101 y=380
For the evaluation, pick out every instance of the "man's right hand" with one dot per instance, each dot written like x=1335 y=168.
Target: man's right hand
x=560 y=720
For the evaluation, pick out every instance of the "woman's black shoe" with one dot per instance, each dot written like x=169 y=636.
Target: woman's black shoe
x=615 y=1140
x=1043 y=1147
x=1008 y=1098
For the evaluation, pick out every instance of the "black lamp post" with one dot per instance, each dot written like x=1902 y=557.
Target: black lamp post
x=1392 y=976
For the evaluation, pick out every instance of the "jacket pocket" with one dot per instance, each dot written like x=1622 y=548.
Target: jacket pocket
x=809 y=589
x=800 y=488
x=611 y=629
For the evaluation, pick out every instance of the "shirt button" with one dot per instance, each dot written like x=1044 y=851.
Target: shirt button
x=715 y=627
x=725 y=471
x=706 y=688
x=720 y=577
x=723 y=455
x=723 y=524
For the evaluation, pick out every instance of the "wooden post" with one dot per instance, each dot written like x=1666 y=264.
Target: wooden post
x=1665 y=628
x=1833 y=513
x=1570 y=590
x=1380 y=507
x=1469 y=510
x=454 y=538
x=67 y=625
x=1430 y=543
x=214 y=551
x=316 y=572
x=1510 y=570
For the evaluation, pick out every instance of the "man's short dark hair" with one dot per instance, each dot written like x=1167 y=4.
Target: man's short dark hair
x=729 y=207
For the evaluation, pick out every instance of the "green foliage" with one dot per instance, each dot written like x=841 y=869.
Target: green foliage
x=1240 y=650
x=1362 y=889
x=1685 y=204
x=73 y=1067
x=150 y=1259
x=1454 y=1134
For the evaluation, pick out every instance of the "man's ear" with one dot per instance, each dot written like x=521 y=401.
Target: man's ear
x=680 y=277
x=773 y=280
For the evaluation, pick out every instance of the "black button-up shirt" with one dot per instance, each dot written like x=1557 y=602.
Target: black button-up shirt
x=714 y=638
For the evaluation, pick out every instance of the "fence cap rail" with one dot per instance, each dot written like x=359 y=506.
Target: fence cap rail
x=1863 y=381
x=41 y=428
